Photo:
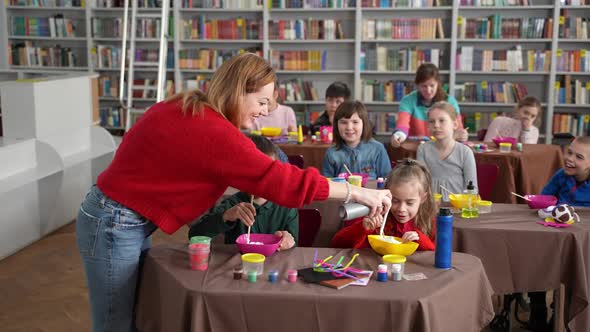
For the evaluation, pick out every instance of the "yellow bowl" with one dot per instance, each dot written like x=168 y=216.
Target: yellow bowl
x=384 y=247
x=270 y=131
x=437 y=197
x=460 y=201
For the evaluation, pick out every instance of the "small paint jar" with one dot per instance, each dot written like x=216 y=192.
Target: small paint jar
x=238 y=270
x=292 y=275
x=380 y=183
x=252 y=276
x=396 y=266
x=382 y=273
x=519 y=147
x=273 y=276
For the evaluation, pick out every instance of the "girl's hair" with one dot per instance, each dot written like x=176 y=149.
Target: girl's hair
x=445 y=107
x=409 y=170
x=531 y=101
x=427 y=71
x=346 y=110
x=240 y=75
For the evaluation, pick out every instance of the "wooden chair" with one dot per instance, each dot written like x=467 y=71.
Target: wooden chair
x=296 y=160
x=310 y=221
x=486 y=178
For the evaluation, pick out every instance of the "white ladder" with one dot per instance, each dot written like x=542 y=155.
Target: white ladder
x=161 y=63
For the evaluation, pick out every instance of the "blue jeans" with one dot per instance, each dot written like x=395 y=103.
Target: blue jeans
x=112 y=240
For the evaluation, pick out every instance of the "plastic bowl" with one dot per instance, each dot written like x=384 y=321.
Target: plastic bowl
x=270 y=244
x=365 y=177
x=384 y=247
x=498 y=140
x=460 y=201
x=540 y=201
x=270 y=131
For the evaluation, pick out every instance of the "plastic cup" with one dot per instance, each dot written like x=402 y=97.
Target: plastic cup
x=199 y=256
x=505 y=147
x=356 y=180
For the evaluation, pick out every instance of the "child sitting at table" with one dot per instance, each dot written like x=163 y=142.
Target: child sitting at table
x=571 y=185
x=521 y=126
x=451 y=164
x=411 y=215
x=235 y=214
x=279 y=116
x=336 y=94
x=354 y=145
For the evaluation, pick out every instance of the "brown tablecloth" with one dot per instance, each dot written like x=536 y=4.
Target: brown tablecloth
x=525 y=172
x=174 y=298
x=520 y=255
x=313 y=153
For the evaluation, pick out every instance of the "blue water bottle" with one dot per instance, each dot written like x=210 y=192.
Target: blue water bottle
x=444 y=239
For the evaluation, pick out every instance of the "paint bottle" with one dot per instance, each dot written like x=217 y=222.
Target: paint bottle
x=292 y=275
x=252 y=276
x=519 y=147
x=238 y=271
x=380 y=183
x=382 y=273
x=273 y=276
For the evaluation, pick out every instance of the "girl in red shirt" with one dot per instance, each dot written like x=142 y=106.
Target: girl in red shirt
x=411 y=215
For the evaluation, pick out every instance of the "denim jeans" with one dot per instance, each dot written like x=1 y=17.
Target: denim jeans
x=112 y=240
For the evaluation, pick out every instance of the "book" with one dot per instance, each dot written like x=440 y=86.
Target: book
x=337 y=283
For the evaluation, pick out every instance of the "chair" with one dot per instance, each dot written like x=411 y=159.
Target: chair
x=296 y=160
x=310 y=221
x=481 y=134
x=486 y=177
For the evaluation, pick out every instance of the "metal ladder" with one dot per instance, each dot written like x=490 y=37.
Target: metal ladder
x=127 y=85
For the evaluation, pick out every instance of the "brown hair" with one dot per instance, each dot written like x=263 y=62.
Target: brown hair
x=582 y=140
x=346 y=110
x=240 y=75
x=406 y=171
x=531 y=101
x=445 y=107
x=427 y=71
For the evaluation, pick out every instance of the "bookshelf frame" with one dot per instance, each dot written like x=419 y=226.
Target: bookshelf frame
x=352 y=74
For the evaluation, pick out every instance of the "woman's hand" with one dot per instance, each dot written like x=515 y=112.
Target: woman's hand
x=378 y=201
x=372 y=223
x=287 y=240
x=461 y=135
x=410 y=236
x=243 y=211
x=397 y=139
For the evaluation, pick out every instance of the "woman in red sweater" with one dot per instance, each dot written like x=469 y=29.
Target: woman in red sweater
x=173 y=165
x=411 y=216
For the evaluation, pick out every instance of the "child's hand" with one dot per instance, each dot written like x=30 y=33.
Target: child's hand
x=371 y=223
x=397 y=139
x=461 y=135
x=410 y=236
x=287 y=240
x=243 y=211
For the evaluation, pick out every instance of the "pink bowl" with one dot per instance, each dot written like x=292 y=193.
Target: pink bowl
x=271 y=243
x=541 y=201
x=498 y=140
x=365 y=177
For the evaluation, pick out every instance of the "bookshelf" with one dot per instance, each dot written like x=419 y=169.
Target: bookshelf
x=479 y=45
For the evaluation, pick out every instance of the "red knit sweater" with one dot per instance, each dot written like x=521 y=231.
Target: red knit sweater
x=171 y=167
x=354 y=235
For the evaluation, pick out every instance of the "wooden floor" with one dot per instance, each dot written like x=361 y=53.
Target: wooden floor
x=42 y=287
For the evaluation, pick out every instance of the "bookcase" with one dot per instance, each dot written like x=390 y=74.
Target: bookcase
x=490 y=52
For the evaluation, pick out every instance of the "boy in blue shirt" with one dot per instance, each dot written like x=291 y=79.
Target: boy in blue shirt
x=571 y=186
